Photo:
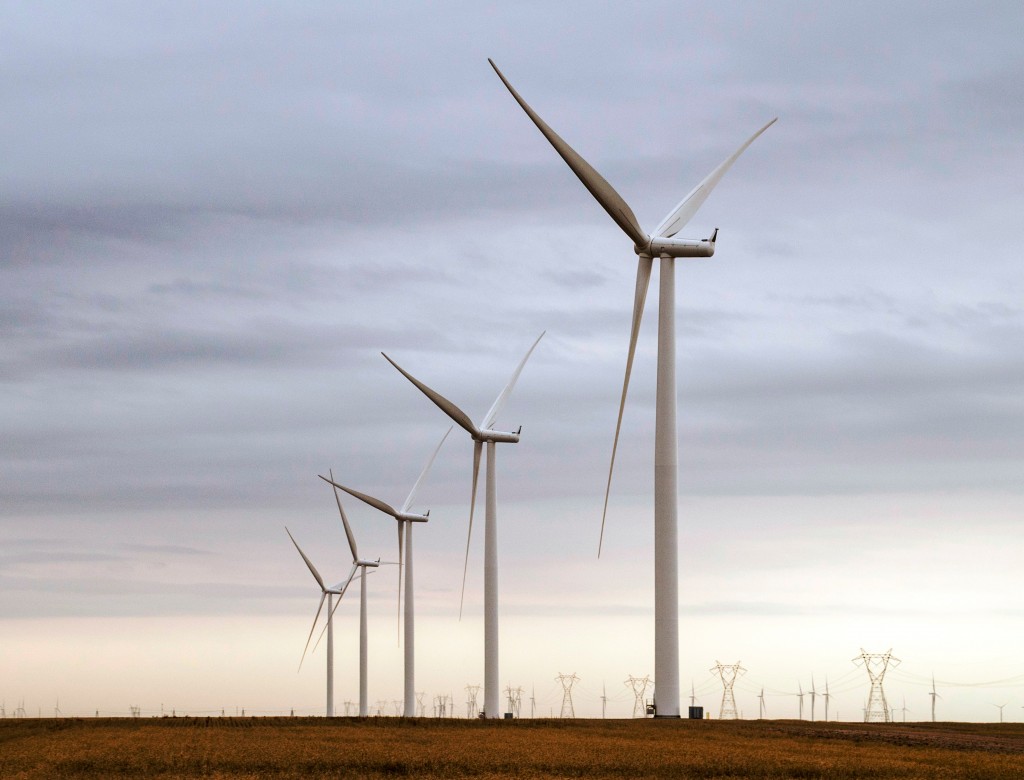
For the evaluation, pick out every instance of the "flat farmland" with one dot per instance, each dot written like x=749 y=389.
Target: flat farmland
x=428 y=748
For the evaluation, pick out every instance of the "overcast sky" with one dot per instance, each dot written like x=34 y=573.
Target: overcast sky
x=213 y=217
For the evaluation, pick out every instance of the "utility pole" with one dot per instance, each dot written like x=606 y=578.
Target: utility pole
x=567 y=681
x=876 y=664
x=728 y=674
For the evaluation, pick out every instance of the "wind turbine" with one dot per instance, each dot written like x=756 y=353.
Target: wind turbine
x=760 y=696
x=813 y=693
x=801 y=697
x=329 y=594
x=404 y=518
x=483 y=433
x=663 y=245
x=934 y=695
x=1000 y=706
x=359 y=563
x=826 y=696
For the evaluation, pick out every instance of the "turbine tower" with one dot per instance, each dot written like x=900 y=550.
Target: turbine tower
x=405 y=521
x=359 y=563
x=728 y=673
x=1000 y=707
x=663 y=245
x=826 y=696
x=761 y=708
x=800 y=696
x=329 y=594
x=876 y=664
x=567 y=681
x=481 y=434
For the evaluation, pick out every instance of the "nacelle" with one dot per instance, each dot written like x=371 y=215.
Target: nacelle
x=499 y=436
x=412 y=518
x=679 y=247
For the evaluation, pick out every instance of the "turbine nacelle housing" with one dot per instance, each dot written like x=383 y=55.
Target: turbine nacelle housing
x=487 y=435
x=679 y=247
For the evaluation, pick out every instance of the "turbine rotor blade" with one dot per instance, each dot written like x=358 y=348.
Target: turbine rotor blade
x=478 y=447
x=442 y=403
x=643 y=278
x=376 y=503
x=688 y=206
x=309 y=563
x=348 y=529
x=312 y=629
x=603 y=192
x=423 y=474
x=499 y=402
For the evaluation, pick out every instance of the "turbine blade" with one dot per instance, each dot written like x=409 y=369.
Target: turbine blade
x=423 y=474
x=348 y=529
x=312 y=629
x=309 y=563
x=442 y=403
x=376 y=503
x=478 y=447
x=688 y=206
x=643 y=278
x=603 y=192
x=499 y=402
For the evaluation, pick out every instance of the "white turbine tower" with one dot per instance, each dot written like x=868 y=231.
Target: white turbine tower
x=814 y=694
x=934 y=695
x=404 y=518
x=359 y=563
x=483 y=433
x=826 y=696
x=663 y=245
x=329 y=594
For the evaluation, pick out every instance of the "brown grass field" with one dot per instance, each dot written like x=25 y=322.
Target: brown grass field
x=427 y=748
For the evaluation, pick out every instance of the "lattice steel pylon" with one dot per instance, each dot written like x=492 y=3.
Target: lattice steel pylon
x=728 y=673
x=876 y=664
x=567 y=681
x=472 y=710
x=514 y=697
x=639 y=686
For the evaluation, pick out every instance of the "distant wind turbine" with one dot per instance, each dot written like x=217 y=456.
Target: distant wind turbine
x=483 y=433
x=826 y=696
x=934 y=695
x=663 y=245
x=405 y=520
x=801 y=697
x=813 y=694
x=362 y=565
x=329 y=594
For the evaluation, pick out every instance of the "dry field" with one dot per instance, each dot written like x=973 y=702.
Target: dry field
x=388 y=747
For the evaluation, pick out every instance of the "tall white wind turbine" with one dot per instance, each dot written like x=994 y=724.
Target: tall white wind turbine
x=328 y=594
x=483 y=433
x=405 y=520
x=663 y=245
x=362 y=566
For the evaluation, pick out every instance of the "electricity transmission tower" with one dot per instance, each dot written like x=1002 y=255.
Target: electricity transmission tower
x=567 y=681
x=639 y=686
x=471 y=707
x=514 y=696
x=348 y=708
x=876 y=664
x=728 y=673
